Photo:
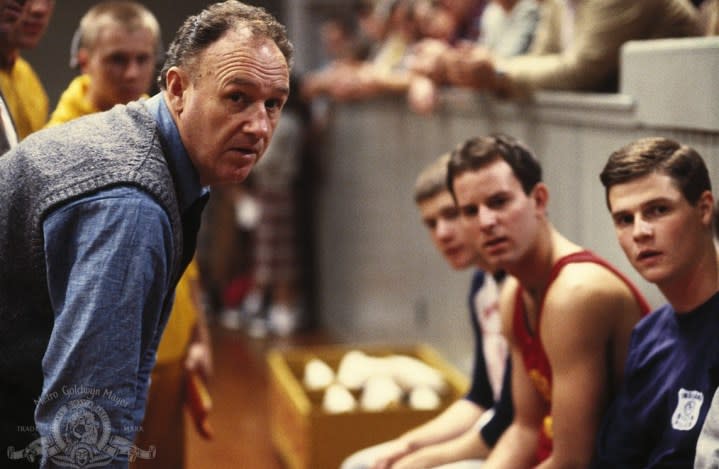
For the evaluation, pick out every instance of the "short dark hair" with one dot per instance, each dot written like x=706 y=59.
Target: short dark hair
x=200 y=31
x=478 y=152
x=658 y=155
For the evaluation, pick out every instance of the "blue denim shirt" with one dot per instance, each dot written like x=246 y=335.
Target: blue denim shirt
x=108 y=258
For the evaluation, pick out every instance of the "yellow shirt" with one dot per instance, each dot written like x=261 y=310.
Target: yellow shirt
x=178 y=332
x=25 y=97
x=73 y=104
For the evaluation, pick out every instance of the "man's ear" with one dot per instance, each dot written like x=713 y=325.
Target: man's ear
x=82 y=58
x=705 y=204
x=540 y=195
x=176 y=84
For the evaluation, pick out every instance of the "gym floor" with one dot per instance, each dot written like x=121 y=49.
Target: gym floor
x=240 y=406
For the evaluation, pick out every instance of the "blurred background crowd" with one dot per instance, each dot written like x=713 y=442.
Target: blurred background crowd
x=256 y=253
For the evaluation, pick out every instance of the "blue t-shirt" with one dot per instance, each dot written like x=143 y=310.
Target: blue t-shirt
x=671 y=373
x=480 y=391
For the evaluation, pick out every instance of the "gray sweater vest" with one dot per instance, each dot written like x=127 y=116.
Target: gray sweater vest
x=50 y=168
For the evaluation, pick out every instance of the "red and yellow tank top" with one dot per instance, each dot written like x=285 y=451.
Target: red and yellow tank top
x=533 y=354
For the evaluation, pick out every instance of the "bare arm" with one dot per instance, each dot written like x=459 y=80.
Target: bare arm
x=602 y=27
x=468 y=445
x=454 y=421
x=199 y=352
x=580 y=311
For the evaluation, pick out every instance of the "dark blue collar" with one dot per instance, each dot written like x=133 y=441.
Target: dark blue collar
x=183 y=171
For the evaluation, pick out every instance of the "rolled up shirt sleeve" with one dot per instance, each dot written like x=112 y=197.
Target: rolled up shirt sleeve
x=108 y=260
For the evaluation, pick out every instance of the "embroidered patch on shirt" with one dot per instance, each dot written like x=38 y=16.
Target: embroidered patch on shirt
x=687 y=412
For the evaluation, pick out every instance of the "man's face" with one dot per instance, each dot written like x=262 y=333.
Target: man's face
x=659 y=231
x=228 y=103
x=121 y=64
x=498 y=216
x=435 y=21
x=33 y=23
x=441 y=217
x=334 y=39
x=10 y=12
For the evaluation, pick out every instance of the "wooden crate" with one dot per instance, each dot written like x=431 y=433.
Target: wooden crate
x=309 y=438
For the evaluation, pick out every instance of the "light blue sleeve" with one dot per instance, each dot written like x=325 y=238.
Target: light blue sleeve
x=108 y=260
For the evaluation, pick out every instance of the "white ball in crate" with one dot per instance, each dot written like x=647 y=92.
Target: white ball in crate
x=411 y=373
x=318 y=375
x=338 y=399
x=354 y=369
x=380 y=391
x=424 y=398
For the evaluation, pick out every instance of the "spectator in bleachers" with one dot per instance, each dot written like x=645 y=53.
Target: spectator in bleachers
x=385 y=71
x=339 y=36
x=21 y=87
x=372 y=17
x=345 y=51
x=659 y=195
x=507 y=29
x=576 y=46
x=412 y=40
x=401 y=33
x=508 y=26
x=457 y=433
x=434 y=21
x=467 y=15
x=709 y=11
x=438 y=27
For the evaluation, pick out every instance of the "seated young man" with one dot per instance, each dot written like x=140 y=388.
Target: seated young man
x=659 y=195
x=567 y=313
x=455 y=434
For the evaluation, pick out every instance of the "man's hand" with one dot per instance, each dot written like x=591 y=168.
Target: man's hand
x=199 y=360
x=471 y=68
x=426 y=59
x=422 y=95
x=395 y=450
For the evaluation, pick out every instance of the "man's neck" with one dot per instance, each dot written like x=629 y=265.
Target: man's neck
x=534 y=269
x=95 y=100
x=8 y=57
x=508 y=5
x=695 y=287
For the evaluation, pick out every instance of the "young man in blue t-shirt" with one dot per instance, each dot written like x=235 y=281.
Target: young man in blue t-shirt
x=467 y=430
x=659 y=195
